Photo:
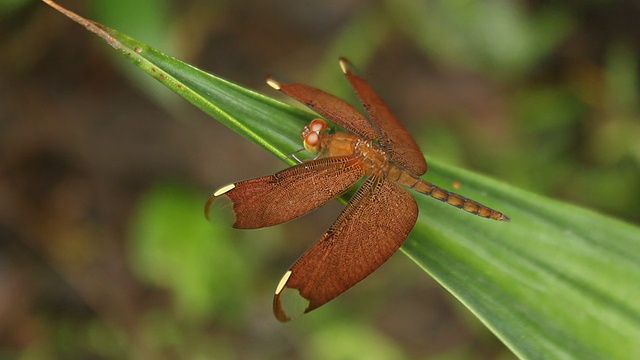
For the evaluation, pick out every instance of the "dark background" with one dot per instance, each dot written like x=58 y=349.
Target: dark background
x=104 y=251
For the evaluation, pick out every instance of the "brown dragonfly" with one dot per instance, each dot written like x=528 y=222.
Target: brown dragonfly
x=377 y=219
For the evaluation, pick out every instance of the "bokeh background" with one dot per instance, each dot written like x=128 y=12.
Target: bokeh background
x=104 y=251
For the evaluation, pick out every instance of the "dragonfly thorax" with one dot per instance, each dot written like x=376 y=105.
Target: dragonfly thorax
x=317 y=138
x=375 y=161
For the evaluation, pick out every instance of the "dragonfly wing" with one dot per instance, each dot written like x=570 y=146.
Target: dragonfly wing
x=329 y=106
x=274 y=199
x=369 y=230
x=393 y=137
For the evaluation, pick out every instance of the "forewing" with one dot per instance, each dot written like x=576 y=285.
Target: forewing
x=329 y=106
x=369 y=230
x=393 y=137
x=274 y=199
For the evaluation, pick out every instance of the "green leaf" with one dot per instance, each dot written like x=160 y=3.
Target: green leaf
x=558 y=281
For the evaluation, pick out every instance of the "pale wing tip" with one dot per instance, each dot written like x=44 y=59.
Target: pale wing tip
x=283 y=282
x=272 y=82
x=288 y=303
x=345 y=64
x=223 y=190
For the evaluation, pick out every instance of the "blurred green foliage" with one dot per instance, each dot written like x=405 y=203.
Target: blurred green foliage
x=7 y=7
x=171 y=248
x=499 y=38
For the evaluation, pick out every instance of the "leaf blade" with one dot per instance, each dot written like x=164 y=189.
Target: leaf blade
x=548 y=273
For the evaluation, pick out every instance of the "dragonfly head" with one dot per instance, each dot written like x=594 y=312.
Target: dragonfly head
x=312 y=134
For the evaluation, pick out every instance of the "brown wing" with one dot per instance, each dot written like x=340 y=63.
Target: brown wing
x=274 y=199
x=394 y=138
x=369 y=230
x=329 y=106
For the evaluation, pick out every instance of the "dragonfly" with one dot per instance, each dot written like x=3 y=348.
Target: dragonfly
x=377 y=219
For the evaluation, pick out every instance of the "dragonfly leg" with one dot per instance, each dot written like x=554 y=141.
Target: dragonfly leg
x=294 y=157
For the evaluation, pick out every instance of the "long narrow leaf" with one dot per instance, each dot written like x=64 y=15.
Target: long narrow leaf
x=557 y=281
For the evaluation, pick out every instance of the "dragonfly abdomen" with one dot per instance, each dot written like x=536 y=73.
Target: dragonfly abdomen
x=420 y=185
